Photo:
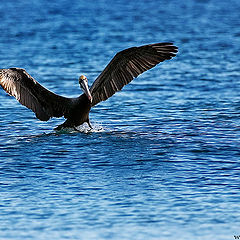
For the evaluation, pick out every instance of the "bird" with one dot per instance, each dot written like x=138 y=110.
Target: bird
x=121 y=70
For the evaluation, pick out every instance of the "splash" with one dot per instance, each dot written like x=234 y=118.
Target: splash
x=84 y=128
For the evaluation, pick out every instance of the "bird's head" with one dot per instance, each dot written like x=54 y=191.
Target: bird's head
x=84 y=86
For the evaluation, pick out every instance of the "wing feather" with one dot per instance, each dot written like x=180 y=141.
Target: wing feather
x=44 y=103
x=127 y=65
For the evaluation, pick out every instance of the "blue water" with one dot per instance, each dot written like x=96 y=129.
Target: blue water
x=163 y=159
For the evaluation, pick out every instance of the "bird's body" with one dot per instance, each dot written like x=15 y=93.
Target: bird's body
x=122 y=69
x=78 y=114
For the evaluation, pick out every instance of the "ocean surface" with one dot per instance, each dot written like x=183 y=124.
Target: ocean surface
x=162 y=160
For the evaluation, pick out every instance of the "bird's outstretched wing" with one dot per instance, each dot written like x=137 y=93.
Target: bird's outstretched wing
x=44 y=103
x=128 y=64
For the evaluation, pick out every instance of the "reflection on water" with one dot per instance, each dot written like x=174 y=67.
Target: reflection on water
x=162 y=159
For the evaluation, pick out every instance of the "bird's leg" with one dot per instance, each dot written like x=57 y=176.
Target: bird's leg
x=89 y=124
x=76 y=129
x=59 y=127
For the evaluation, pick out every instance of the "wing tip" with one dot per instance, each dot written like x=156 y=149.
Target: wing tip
x=166 y=49
x=169 y=45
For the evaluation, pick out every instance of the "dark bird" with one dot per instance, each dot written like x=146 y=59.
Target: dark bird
x=122 y=69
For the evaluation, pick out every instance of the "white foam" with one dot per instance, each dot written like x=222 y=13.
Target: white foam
x=84 y=128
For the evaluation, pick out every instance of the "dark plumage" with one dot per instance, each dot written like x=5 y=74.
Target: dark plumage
x=123 y=68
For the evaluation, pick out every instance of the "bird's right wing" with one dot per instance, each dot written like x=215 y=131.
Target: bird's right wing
x=128 y=64
x=44 y=103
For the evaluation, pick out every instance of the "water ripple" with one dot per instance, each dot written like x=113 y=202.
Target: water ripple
x=162 y=160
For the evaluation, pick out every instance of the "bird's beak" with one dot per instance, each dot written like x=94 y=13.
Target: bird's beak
x=86 y=90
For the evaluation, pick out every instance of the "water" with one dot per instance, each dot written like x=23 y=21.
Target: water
x=163 y=159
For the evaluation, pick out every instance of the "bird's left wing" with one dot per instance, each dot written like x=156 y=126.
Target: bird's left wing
x=128 y=64
x=44 y=103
